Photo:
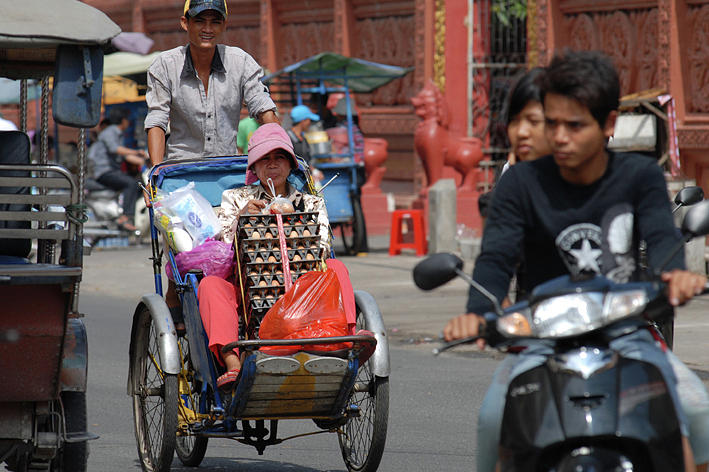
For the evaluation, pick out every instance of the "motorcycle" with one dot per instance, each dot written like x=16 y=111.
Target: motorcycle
x=103 y=209
x=586 y=407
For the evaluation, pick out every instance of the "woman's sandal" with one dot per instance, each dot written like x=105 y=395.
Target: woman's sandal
x=227 y=378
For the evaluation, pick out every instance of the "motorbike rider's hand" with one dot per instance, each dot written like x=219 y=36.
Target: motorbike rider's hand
x=682 y=285
x=464 y=326
x=253 y=207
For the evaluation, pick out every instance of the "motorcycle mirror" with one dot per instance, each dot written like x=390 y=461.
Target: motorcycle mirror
x=688 y=196
x=696 y=221
x=436 y=270
x=441 y=268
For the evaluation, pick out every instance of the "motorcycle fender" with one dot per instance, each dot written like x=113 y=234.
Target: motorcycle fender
x=72 y=377
x=375 y=324
x=167 y=337
x=547 y=407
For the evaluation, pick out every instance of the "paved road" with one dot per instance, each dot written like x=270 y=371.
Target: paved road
x=434 y=401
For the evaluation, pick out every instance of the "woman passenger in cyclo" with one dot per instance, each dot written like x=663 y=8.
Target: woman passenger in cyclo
x=271 y=157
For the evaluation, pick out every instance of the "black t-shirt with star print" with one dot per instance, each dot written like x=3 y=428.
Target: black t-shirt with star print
x=560 y=228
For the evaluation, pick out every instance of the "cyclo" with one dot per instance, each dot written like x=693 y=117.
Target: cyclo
x=177 y=406
x=43 y=343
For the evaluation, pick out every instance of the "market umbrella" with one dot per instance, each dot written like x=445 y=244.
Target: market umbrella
x=362 y=76
x=128 y=64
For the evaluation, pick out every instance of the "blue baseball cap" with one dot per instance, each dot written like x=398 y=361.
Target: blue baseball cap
x=301 y=112
x=195 y=7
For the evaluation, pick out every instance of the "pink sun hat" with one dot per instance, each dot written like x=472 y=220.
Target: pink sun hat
x=265 y=139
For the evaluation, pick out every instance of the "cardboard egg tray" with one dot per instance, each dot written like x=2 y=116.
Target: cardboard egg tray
x=260 y=255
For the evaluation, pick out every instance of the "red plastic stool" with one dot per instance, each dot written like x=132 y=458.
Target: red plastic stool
x=396 y=241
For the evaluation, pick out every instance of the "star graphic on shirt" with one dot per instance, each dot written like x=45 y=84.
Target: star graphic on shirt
x=586 y=257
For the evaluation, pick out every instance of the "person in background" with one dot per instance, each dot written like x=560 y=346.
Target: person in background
x=302 y=118
x=247 y=126
x=107 y=155
x=199 y=90
x=338 y=133
x=525 y=120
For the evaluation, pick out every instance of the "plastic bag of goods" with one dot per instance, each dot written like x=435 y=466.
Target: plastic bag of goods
x=311 y=308
x=194 y=211
x=211 y=257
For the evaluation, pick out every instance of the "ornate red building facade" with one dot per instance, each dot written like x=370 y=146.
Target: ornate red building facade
x=654 y=44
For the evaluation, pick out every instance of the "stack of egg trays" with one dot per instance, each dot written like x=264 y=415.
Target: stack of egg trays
x=260 y=257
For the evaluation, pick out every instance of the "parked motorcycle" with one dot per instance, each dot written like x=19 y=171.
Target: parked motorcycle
x=103 y=209
x=586 y=407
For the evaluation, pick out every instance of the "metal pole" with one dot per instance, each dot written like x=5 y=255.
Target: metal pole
x=45 y=248
x=23 y=105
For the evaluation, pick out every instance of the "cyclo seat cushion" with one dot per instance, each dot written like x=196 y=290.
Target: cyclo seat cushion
x=15 y=149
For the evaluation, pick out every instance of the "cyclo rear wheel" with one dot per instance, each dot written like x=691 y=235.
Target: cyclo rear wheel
x=154 y=399
x=190 y=449
x=362 y=438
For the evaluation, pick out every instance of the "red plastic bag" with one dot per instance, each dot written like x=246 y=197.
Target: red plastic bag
x=212 y=257
x=312 y=308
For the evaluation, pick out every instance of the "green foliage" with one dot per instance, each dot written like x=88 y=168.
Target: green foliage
x=508 y=10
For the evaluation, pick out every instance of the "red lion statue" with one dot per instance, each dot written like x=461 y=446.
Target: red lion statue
x=437 y=147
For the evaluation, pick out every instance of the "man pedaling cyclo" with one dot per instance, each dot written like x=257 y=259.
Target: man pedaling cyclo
x=549 y=213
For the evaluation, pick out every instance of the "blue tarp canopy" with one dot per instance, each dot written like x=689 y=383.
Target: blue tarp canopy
x=362 y=76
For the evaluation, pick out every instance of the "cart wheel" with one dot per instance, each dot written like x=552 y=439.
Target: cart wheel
x=190 y=449
x=74 y=457
x=362 y=438
x=154 y=400
x=357 y=241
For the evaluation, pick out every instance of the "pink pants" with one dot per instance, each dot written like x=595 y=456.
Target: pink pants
x=219 y=309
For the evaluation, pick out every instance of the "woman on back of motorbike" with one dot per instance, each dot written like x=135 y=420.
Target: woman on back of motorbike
x=550 y=211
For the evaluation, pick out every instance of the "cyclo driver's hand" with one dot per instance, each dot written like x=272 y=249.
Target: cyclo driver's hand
x=682 y=285
x=253 y=207
x=464 y=326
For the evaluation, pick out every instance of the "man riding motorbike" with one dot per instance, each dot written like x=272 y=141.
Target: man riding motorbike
x=550 y=212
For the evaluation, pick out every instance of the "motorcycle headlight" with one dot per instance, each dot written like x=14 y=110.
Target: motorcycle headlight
x=515 y=324
x=577 y=313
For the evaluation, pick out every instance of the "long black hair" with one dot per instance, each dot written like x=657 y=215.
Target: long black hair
x=526 y=89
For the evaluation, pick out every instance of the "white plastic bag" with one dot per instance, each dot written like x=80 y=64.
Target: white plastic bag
x=197 y=215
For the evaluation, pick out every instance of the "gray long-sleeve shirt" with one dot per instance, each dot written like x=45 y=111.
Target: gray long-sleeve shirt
x=203 y=124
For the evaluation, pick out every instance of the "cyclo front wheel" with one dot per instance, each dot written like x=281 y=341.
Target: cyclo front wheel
x=363 y=437
x=154 y=399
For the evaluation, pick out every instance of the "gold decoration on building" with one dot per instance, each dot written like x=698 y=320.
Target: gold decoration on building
x=532 y=47
x=439 y=49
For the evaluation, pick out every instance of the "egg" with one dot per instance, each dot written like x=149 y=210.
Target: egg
x=309 y=257
x=274 y=282
x=255 y=235
x=297 y=257
x=256 y=296
x=262 y=283
x=306 y=232
x=259 y=259
x=268 y=235
x=271 y=258
x=293 y=234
